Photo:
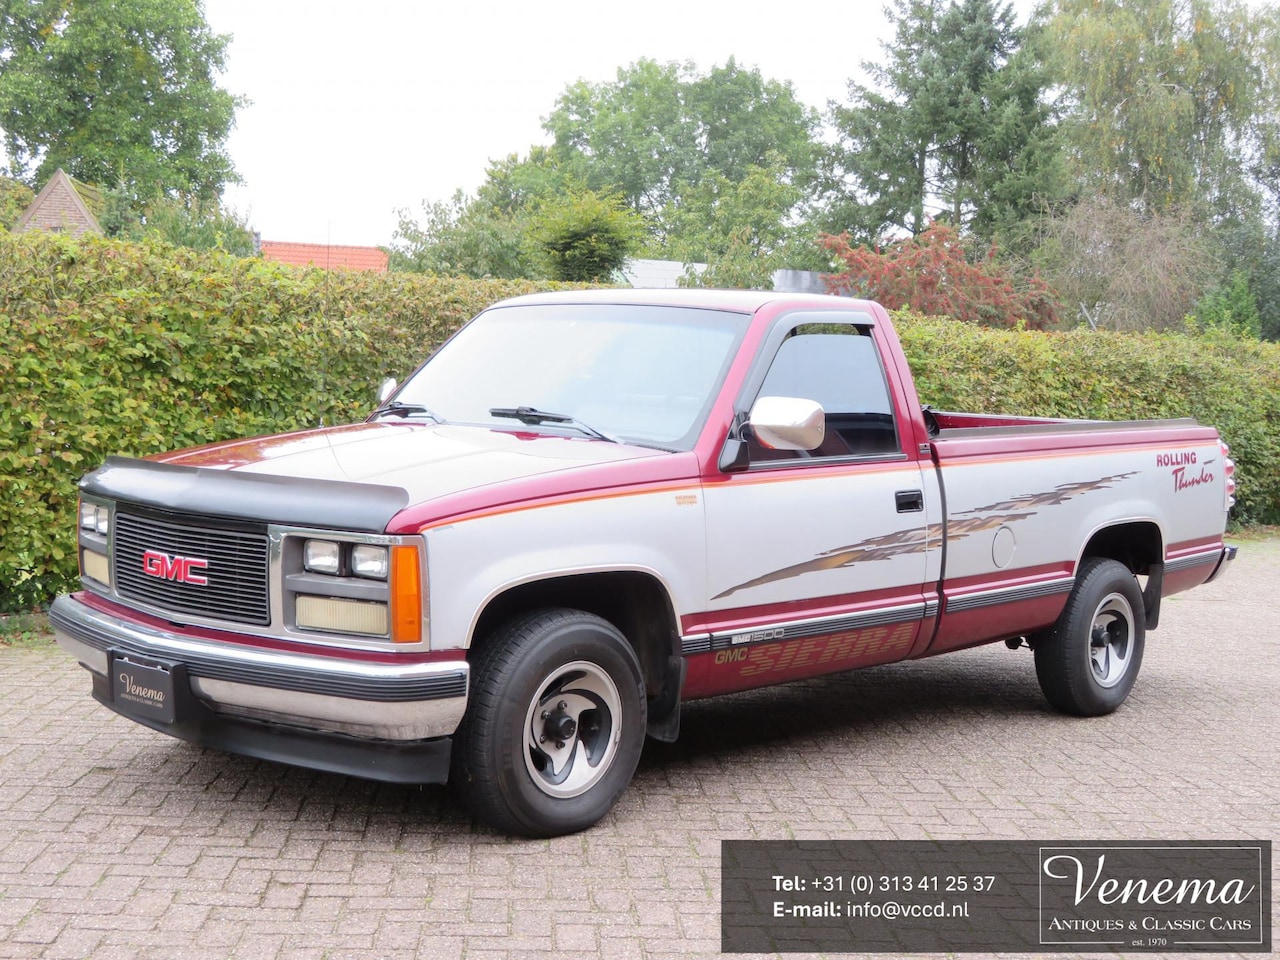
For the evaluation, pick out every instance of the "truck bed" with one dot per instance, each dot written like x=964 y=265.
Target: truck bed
x=953 y=425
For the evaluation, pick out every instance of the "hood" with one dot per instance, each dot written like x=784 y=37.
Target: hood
x=436 y=461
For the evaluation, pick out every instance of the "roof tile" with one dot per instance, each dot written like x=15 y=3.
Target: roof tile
x=327 y=256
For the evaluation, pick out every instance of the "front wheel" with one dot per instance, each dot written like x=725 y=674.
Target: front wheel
x=1088 y=662
x=555 y=725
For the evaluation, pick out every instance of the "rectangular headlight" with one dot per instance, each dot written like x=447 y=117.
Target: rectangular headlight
x=93 y=518
x=321 y=556
x=369 y=560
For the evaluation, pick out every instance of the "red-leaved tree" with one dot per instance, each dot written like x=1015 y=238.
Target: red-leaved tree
x=930 y=274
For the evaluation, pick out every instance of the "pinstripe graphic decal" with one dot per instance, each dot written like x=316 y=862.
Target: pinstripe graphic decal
x=915 y=540
x=1051 y=498
x=884 y=547
x=989 y=598
x=681 y=490
x=815 y=627
x=1196 y=560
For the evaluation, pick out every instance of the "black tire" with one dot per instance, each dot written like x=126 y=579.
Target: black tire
x=1088 y=662
x=570 y=680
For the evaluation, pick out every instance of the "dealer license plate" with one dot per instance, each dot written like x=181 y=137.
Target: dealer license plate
x=143 y=689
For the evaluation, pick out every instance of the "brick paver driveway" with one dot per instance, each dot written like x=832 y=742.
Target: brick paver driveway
x=118 y=842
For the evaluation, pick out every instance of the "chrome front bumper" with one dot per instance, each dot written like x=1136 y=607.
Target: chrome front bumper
x=324 y=712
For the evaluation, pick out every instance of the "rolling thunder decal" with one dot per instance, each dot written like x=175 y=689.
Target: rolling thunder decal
x=1187 y=473
x=916 y=540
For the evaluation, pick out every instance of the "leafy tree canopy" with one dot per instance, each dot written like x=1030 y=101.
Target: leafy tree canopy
x=741 y=230
x=194 y=226
x=586 y=237
x=1172 y=124
x=933 y=274
x=956 y=124
x=659 y=126
x=15 y=197
x=462 y=237
x=1173 y=102
x=1231 y=306
x=119 y=93
x=695 y=158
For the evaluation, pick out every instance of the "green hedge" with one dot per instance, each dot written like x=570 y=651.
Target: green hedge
x=108 y=347
x=1231 y=384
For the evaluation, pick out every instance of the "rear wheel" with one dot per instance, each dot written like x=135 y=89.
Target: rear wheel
x=555 y=725
x=1088 y=662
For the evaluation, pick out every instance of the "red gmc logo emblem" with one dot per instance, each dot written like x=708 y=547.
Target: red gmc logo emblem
x=179 y=569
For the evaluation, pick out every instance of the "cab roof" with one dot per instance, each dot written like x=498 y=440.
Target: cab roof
x=738 y=301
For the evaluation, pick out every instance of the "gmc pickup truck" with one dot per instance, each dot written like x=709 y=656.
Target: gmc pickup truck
x=587 y=508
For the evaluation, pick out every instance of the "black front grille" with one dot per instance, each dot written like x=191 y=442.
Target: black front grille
x=160 y=560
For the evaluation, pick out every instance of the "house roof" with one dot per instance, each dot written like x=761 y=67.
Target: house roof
x=325 y=255
x=64 y=204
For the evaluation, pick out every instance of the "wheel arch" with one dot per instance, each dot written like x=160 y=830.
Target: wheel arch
x=637 y=602
x=1139 y=545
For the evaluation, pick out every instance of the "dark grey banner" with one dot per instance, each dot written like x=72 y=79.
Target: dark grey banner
x=881 y=896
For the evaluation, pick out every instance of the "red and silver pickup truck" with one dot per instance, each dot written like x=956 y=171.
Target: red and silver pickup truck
x=587 y=508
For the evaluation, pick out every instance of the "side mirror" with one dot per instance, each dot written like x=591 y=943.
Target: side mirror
x=788 y=423
x=385 y=389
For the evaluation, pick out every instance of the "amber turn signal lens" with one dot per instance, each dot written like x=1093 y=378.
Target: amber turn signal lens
x=406 y=595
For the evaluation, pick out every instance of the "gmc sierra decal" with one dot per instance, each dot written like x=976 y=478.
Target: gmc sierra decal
x=830 y=652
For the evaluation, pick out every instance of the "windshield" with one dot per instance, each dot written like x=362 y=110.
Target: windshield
x=642 y=374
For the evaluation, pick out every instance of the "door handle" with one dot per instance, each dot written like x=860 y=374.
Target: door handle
x=909 y=501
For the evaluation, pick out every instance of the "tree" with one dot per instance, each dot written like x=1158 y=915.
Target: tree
x=587 y=237
x=462 y=237
x=933 y=274
x=1124 y=267
x=633 y=136
x=1230 y=306
x=119 y=93
x=698 y=157
x=1264 y=283
x=196 y=226
x=954 y=126
x=740 y=230
x=199 y=227
x=485 y=235
x=746 y=122
x=1172 y=128
x=660 y=126
x=15 y=197
x=515 y=185
x=1248 y=248
x=1170 y=106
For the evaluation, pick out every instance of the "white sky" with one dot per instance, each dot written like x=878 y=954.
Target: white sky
x=362 y=108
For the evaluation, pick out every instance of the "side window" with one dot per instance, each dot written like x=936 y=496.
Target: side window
x=839 y=367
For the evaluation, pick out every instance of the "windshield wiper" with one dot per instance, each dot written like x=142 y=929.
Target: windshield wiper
x=532 y=416
x=404 y=409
